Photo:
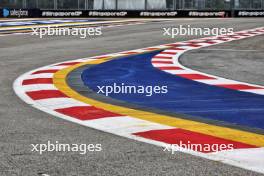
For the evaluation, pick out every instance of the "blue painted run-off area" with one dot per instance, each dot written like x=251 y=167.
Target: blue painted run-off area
x=183 y=97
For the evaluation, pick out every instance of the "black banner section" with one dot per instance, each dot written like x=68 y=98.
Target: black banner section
x=205 y=13
x=249 y=13
x=1 y=13
x=63 y=13
x=37 y=13
x=19 y=13
x=134 y=13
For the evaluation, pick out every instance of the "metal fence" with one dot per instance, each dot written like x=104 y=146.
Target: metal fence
x=134 y=4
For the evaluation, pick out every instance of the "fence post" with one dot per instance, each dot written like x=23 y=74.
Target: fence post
x=24 y=4
x=232 y=7
x=55 y=4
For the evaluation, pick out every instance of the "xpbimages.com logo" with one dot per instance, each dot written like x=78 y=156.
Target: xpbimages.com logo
x=59 y=147
x=131 y=89
x=184 y=146
x=188 y=30
x=60 y=31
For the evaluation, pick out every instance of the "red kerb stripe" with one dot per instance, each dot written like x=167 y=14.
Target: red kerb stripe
x=170 y=68
x=195 y=76
x=37 y=81
x=222 y=38
x=238 y=86
x=150 y=49
x=163 y=57
x=194 y=45
x=165 y=52
x=162 y=62
x=184 y=137
x=45 y=94
x=45 y=71
x=68 y=63
x=177 y=48
x=86 y=112
x=130 y=52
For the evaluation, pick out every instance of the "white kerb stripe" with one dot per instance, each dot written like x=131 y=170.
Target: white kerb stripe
x=60 y=103
x=38 y=87
x=41 y=75
x=126 y=125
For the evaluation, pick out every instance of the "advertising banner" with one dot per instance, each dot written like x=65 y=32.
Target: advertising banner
x=134 y=13
x=20 y=13
x=249 y=13
x=37 y=13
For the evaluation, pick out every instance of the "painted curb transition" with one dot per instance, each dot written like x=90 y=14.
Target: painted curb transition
x=39 y=89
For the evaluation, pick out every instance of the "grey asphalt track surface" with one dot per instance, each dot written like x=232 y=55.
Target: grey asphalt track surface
x=22 y=125
x=241 y=60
